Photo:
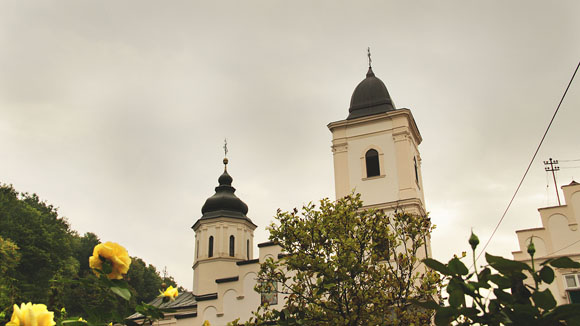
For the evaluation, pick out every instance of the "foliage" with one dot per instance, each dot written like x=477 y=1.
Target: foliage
x=43 y=261
x=9 y=259
x=345 y=265
x=43 y=239
x=515 y=302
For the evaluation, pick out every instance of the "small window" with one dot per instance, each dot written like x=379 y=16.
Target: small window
x=372 y=163
x=210 y=248
x=232 y=245
x=574 y=296
x=416 y=170
x=197 y=249
x=571 y=281
x=248 y=249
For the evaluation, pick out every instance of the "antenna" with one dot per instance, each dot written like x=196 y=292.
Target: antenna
x=553 y=169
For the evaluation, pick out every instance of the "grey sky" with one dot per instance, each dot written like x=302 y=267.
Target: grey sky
x=116 y=111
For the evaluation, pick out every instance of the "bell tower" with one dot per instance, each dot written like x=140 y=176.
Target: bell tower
x=224 y=235
x=376 y=151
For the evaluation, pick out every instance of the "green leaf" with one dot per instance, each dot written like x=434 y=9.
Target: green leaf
x=437 y=266
x=547 y=274
x=457 y=267
x=123 y=293
x=566 y=312
x=501 y=281
x=564 y=262
x=444 y=315
x=506 y=266
x=503 y=296
x=544 y=299
x=456 y=298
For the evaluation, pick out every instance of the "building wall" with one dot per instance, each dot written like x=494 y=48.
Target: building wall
x=396 y=138
x=221 y=264
x=558 y=236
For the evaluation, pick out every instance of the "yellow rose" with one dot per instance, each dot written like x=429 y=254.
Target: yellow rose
x=31 y=315
x=114 y=253
x=170 y=293
x=206 y=323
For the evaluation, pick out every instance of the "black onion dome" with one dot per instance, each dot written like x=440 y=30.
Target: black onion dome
x=224 y=203
x=370 y=97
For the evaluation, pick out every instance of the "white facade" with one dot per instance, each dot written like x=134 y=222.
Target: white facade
x=558 y=236
x=395 y=136
x=224 y=279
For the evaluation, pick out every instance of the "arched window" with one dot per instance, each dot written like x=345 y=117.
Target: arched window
x=232 y=245
x=248 y=249
x=197 y=249
x=210 y=248
x=372 y=163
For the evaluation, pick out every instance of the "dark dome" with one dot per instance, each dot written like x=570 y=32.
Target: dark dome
x=224 y=203
x=370 y=97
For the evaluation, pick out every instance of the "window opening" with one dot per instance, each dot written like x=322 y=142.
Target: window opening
x=232 y=244
x=210 y=249
x=372 y=163
x=248 y=249
x=416 y=170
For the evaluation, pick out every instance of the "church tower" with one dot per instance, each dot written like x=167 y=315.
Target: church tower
x=376 y=151
x=224 y=235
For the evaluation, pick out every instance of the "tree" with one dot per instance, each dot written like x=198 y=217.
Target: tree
x=43 y=261
x=43 y=237
x=344 y=265
x=9 y=259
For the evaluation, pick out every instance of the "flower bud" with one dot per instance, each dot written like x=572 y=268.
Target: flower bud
x=473 y=240
x=531 y=248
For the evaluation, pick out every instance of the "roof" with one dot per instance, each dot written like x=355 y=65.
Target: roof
x=370 y=97
x=183 y=301
x=224 y=203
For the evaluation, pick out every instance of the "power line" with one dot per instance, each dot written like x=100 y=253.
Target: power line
x=577 y=160
x=568 y=246
x=529 y=165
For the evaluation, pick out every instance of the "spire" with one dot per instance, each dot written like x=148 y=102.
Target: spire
x=370 y=73
x=224 y=203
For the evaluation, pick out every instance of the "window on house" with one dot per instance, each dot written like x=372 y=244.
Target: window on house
x=210 y=247
x=232 y=245
x=573 y=287
x=372 y=163
x=248 y=249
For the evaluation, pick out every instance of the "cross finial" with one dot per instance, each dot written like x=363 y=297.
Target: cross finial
x=225 y=147
x=369 y=55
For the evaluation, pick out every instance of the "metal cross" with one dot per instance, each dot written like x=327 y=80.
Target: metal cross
x=369 y=55
x=225 y=147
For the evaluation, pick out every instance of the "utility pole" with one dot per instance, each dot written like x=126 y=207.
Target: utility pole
x=553 y=169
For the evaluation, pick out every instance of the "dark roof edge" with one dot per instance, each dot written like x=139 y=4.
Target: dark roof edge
x=191 y=315
x=247 y=262
x=267 y=244
x=227 y=279
x=206 y=297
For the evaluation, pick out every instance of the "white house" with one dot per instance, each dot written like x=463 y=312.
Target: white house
x=558 y=236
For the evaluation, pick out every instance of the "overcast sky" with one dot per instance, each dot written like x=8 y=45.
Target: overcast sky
x=116 y=111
